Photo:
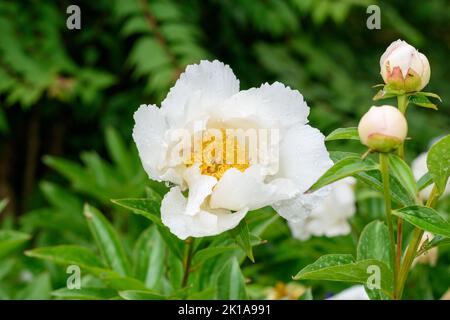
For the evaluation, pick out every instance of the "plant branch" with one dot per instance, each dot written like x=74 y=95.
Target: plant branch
x=187 y=261
x=384 y=167
x=411 y=252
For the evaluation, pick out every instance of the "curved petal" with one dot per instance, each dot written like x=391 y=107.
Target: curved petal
x=202 y=224
x=303 y=159
x=273 y=105
x=237 y=190
x=201 y=87
x=200 y=186
x=148 y=134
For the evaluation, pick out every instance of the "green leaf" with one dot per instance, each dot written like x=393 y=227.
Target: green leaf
x=149 y=258
x=149 y=208
x=241 y=235
x=141 y=295
x=146 y=207
x=437 y=241
x=403 y=173
x=374 y=244
x=343 y=134
x=107 y=240
x=438 y=162
x=38 y=289
x=210 y=252
x=419 y=99
x=342 y=267
x=424 y=181
x=85 y=294
x=230 y=282
x=343 y=168
x=118 y=151
x=425 y=218
x=69 y=255
x=431 y=94
x=11 y=241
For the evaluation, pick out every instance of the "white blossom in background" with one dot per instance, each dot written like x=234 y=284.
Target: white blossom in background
x=207 y=199
x=352 y=293
x=330 y=216
x=419 y=168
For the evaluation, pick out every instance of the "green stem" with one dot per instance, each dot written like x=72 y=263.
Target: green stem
x=411 y=252
x=187 y=261
x=384 y=167
x=402 y=104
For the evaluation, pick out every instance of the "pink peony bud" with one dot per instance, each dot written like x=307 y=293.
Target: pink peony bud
x=404 y=68
x=383 y=128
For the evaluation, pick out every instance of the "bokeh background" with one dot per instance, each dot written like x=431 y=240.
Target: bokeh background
x=67 y=98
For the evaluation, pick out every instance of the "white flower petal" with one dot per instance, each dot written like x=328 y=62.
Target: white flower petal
x=237 y=190
x=329 y=217
x=148 y=134
x=353 y=293
x=275 y=106
x=303 y=159
x=200 y=186
x=202 y=224
x=198 y=90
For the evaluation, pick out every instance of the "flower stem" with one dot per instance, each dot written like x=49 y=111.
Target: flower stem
x=411 y=252
x=187 y=261
x=384 y=167
x=402 y=103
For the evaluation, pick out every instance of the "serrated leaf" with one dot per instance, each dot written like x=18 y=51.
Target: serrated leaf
x=343 y=134
x=425 y=218
x=438 y=162
x=107 y=240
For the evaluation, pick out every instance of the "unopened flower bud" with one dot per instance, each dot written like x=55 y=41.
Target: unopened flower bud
x=404 y=68
x=383 y=128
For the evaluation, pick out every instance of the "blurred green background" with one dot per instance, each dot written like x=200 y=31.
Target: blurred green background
x=67 y=98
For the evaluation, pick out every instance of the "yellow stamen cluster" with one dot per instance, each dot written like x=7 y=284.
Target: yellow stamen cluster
x=215 y=155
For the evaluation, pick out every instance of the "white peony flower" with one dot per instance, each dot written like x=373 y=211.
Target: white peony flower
x=419 y=168
x=404 y=68
x=330 y=217
x=353 y=293
x=211 y=195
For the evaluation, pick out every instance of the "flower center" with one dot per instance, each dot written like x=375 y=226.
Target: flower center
x=217 y=152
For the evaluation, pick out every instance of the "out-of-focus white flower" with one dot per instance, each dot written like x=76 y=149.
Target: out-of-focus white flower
x=383 y=128
x=404 y=68
x=330 y=217
x=419 y=168
x=352 y=293
x=431 y=256
x=211 y=196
